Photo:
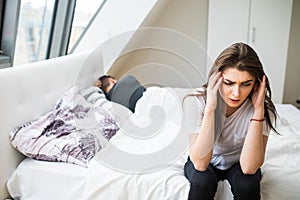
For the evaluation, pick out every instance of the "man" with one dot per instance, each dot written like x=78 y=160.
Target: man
x=127 y=91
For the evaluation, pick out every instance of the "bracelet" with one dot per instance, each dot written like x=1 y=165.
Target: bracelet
x=257 y=120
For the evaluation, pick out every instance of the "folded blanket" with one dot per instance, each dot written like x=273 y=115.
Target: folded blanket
x=78 y=126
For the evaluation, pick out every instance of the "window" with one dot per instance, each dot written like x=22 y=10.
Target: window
x=34 y=26
x=34 y=30
x=84 y=13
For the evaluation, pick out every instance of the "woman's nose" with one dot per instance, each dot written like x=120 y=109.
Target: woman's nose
x=236 y=91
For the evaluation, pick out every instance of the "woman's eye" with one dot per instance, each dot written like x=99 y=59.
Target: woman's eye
x=246 y=84
x=227 y=83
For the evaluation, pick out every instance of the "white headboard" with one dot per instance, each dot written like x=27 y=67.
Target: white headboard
x=31 y=90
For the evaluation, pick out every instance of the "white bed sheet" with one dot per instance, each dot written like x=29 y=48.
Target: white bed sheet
x=41 y=180
x=281 y=169
x=290 y=115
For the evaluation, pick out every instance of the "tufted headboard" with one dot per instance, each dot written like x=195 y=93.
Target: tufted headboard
x=29 y=91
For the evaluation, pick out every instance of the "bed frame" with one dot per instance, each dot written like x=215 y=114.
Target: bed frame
x=28 y=91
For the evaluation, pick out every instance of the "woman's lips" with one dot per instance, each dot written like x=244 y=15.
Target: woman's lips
x=234 y=100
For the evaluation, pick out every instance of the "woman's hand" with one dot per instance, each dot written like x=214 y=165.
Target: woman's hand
x=212 y=90
x=259 y=93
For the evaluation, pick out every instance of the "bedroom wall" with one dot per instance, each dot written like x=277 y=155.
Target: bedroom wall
x=114 y=18
x=189 y=21
x=292 y=78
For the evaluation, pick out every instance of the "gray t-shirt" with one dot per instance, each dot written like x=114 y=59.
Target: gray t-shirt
x=126 y=92
x=230 y=132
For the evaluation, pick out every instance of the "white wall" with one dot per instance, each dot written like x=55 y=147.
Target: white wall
x=116 y=17
x=182 y=61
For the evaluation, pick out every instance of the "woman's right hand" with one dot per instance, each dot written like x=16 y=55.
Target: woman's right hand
x=213 y=86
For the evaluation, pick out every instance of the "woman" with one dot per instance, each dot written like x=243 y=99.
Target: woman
x=230 y=126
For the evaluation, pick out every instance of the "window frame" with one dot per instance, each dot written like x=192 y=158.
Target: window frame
x=60 y=28
x=10 y=10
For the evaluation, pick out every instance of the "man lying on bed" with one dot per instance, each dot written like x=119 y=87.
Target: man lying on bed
x=126 y=91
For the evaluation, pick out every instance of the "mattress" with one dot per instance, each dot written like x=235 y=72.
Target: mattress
x=47 y=180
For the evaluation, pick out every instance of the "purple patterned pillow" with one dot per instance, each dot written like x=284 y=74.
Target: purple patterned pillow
x=73 y=132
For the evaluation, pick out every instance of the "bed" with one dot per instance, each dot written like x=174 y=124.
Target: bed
x=133 y=164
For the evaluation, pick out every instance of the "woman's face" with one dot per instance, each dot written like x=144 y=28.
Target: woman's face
x=235 y=88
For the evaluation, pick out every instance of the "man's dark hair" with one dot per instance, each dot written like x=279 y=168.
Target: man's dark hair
x=105 y=81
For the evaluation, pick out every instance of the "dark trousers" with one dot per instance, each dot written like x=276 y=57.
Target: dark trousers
x=203 y=184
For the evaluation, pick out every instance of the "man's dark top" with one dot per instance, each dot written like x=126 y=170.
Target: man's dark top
x=127 y=92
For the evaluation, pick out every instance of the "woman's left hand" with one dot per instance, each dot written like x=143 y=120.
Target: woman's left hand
x=258 y=96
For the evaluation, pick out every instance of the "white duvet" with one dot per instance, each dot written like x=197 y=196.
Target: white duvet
x=146 y=157
x=138 y=163
x=110 y=176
